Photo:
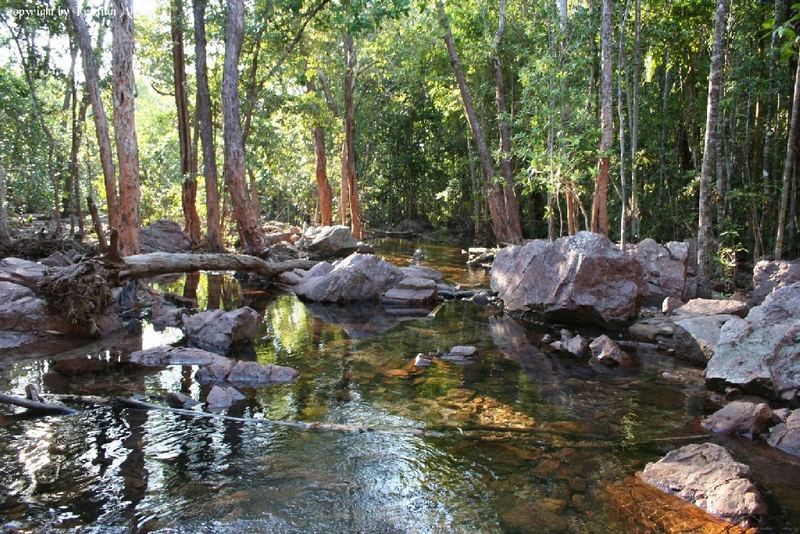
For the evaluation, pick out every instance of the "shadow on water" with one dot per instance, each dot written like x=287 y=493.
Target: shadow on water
x=112 y=470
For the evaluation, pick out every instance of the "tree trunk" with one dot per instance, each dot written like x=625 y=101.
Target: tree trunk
x=600 y=200
x=344 y=188
x=349 y=165
x=503 y=229
x=623 y=219
x=709 y=152
x=5 y=235
x=125 y=126
x=247 y=219
x=323 y=186
x=98 y=112
x=509 y=195
x=637 y=77
x=788 y=165
x=189 y=181
x=156 y=263
x=213 y=224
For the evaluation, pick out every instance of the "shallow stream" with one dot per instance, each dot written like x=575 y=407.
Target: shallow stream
x=573 y=433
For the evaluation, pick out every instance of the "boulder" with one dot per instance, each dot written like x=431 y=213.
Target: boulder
x=325 y=242
x=575 y=279
x=291 y=278
x=56 y=259
x=164 y=314
x=214 y=373
x=670 y=304
x=222 y=397
x=574 y=344
x=177 y=399
x=713 y=307
x=164 y=236
x=411 y=292
x=32 y=314
x=605 y=351
x=706 y=475
x=245 y=373
x=22 y=272
x=786 y=435
x=283 y=251
x=218 y=330
x=461 y=354
x=166 y=355
x=420 y=271
x=355 y=278
x=663 y=267
x=422 y=360
x=769 y=275
x=740 y=417
x=696 y=337
x=761 y=353
x=9 y=292
x=653 y=330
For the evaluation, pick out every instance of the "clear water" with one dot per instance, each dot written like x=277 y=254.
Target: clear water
x=525 y=441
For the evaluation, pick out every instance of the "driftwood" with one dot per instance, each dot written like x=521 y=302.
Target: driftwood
x=157 y=263
x=37 y=405
x=96 y=224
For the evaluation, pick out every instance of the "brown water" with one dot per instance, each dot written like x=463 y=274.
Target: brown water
x=574 y=432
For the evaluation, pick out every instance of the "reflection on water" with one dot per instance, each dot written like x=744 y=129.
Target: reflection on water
x=569 y=432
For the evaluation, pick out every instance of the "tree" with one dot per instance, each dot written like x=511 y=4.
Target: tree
x=321 y=171
x=98 y=112
x=247 y=219
x=125 y=126
x=709 y=152
x=189 y=181
x=348 y=151
x=788 y=165
x=600 y=200
x=203 y=111
x=504 y=228
x=5 y=235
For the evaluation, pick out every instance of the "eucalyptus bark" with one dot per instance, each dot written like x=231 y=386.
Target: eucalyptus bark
x=788 y=166
x=124 y=90
x=637 y=77
x=709 y=152
x=509 y=195
x=213 y=223
x=600 y=199
x=247 y=218
x=98 y=112
x=188 y=178
x=349 y=164
x=501 y=223
x=321 y=171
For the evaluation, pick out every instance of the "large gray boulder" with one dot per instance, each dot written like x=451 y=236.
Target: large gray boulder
x=769 y=275
x=326 y=242
x=22 y=272
x=356 y=278
x=696 y=337
x=663 y=267
x=761 y=353
x=164 y=236
x=581 y=278
x=218 y=330
x=706 y=475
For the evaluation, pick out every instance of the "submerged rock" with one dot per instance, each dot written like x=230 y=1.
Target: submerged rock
x=218 y=330
x=166 y=355
x=257 y=374
x=357 y=277
x=761 y=353
x=326 y=242
x=461 y=354
x=706 y=475
x=222 y=397
x=740 y=417
x=697 y=337
x=164 y=236
x=177 y=399
x=580 y=278
x=786 y=435
x=770 y=275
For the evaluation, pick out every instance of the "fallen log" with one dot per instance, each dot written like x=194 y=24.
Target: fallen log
x=38 y=406
x=157 y=263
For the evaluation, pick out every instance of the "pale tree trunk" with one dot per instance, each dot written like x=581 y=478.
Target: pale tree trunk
x=503 y=229
x=709 y=152
x=189 y=181
x=247 y=219
x=788 y=165
x=509 y=195
x=600 y=199
x=125 y=126
x=98 y=112
x=213 y=224
x=637 y=77
x=321 y=155
x=344 y=189
x=5 y=235
x=349 y=165
x=623 y=220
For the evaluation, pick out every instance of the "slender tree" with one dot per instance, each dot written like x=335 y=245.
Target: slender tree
x=321 y=172
x=247 y=218
x=600 y=200
x=98 y=112
x=5 y=235
x=348 y=151
x=709 y=151
x=788 y=165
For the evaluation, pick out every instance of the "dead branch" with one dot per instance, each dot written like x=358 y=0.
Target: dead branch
x=157 y=263
x=37 y=406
